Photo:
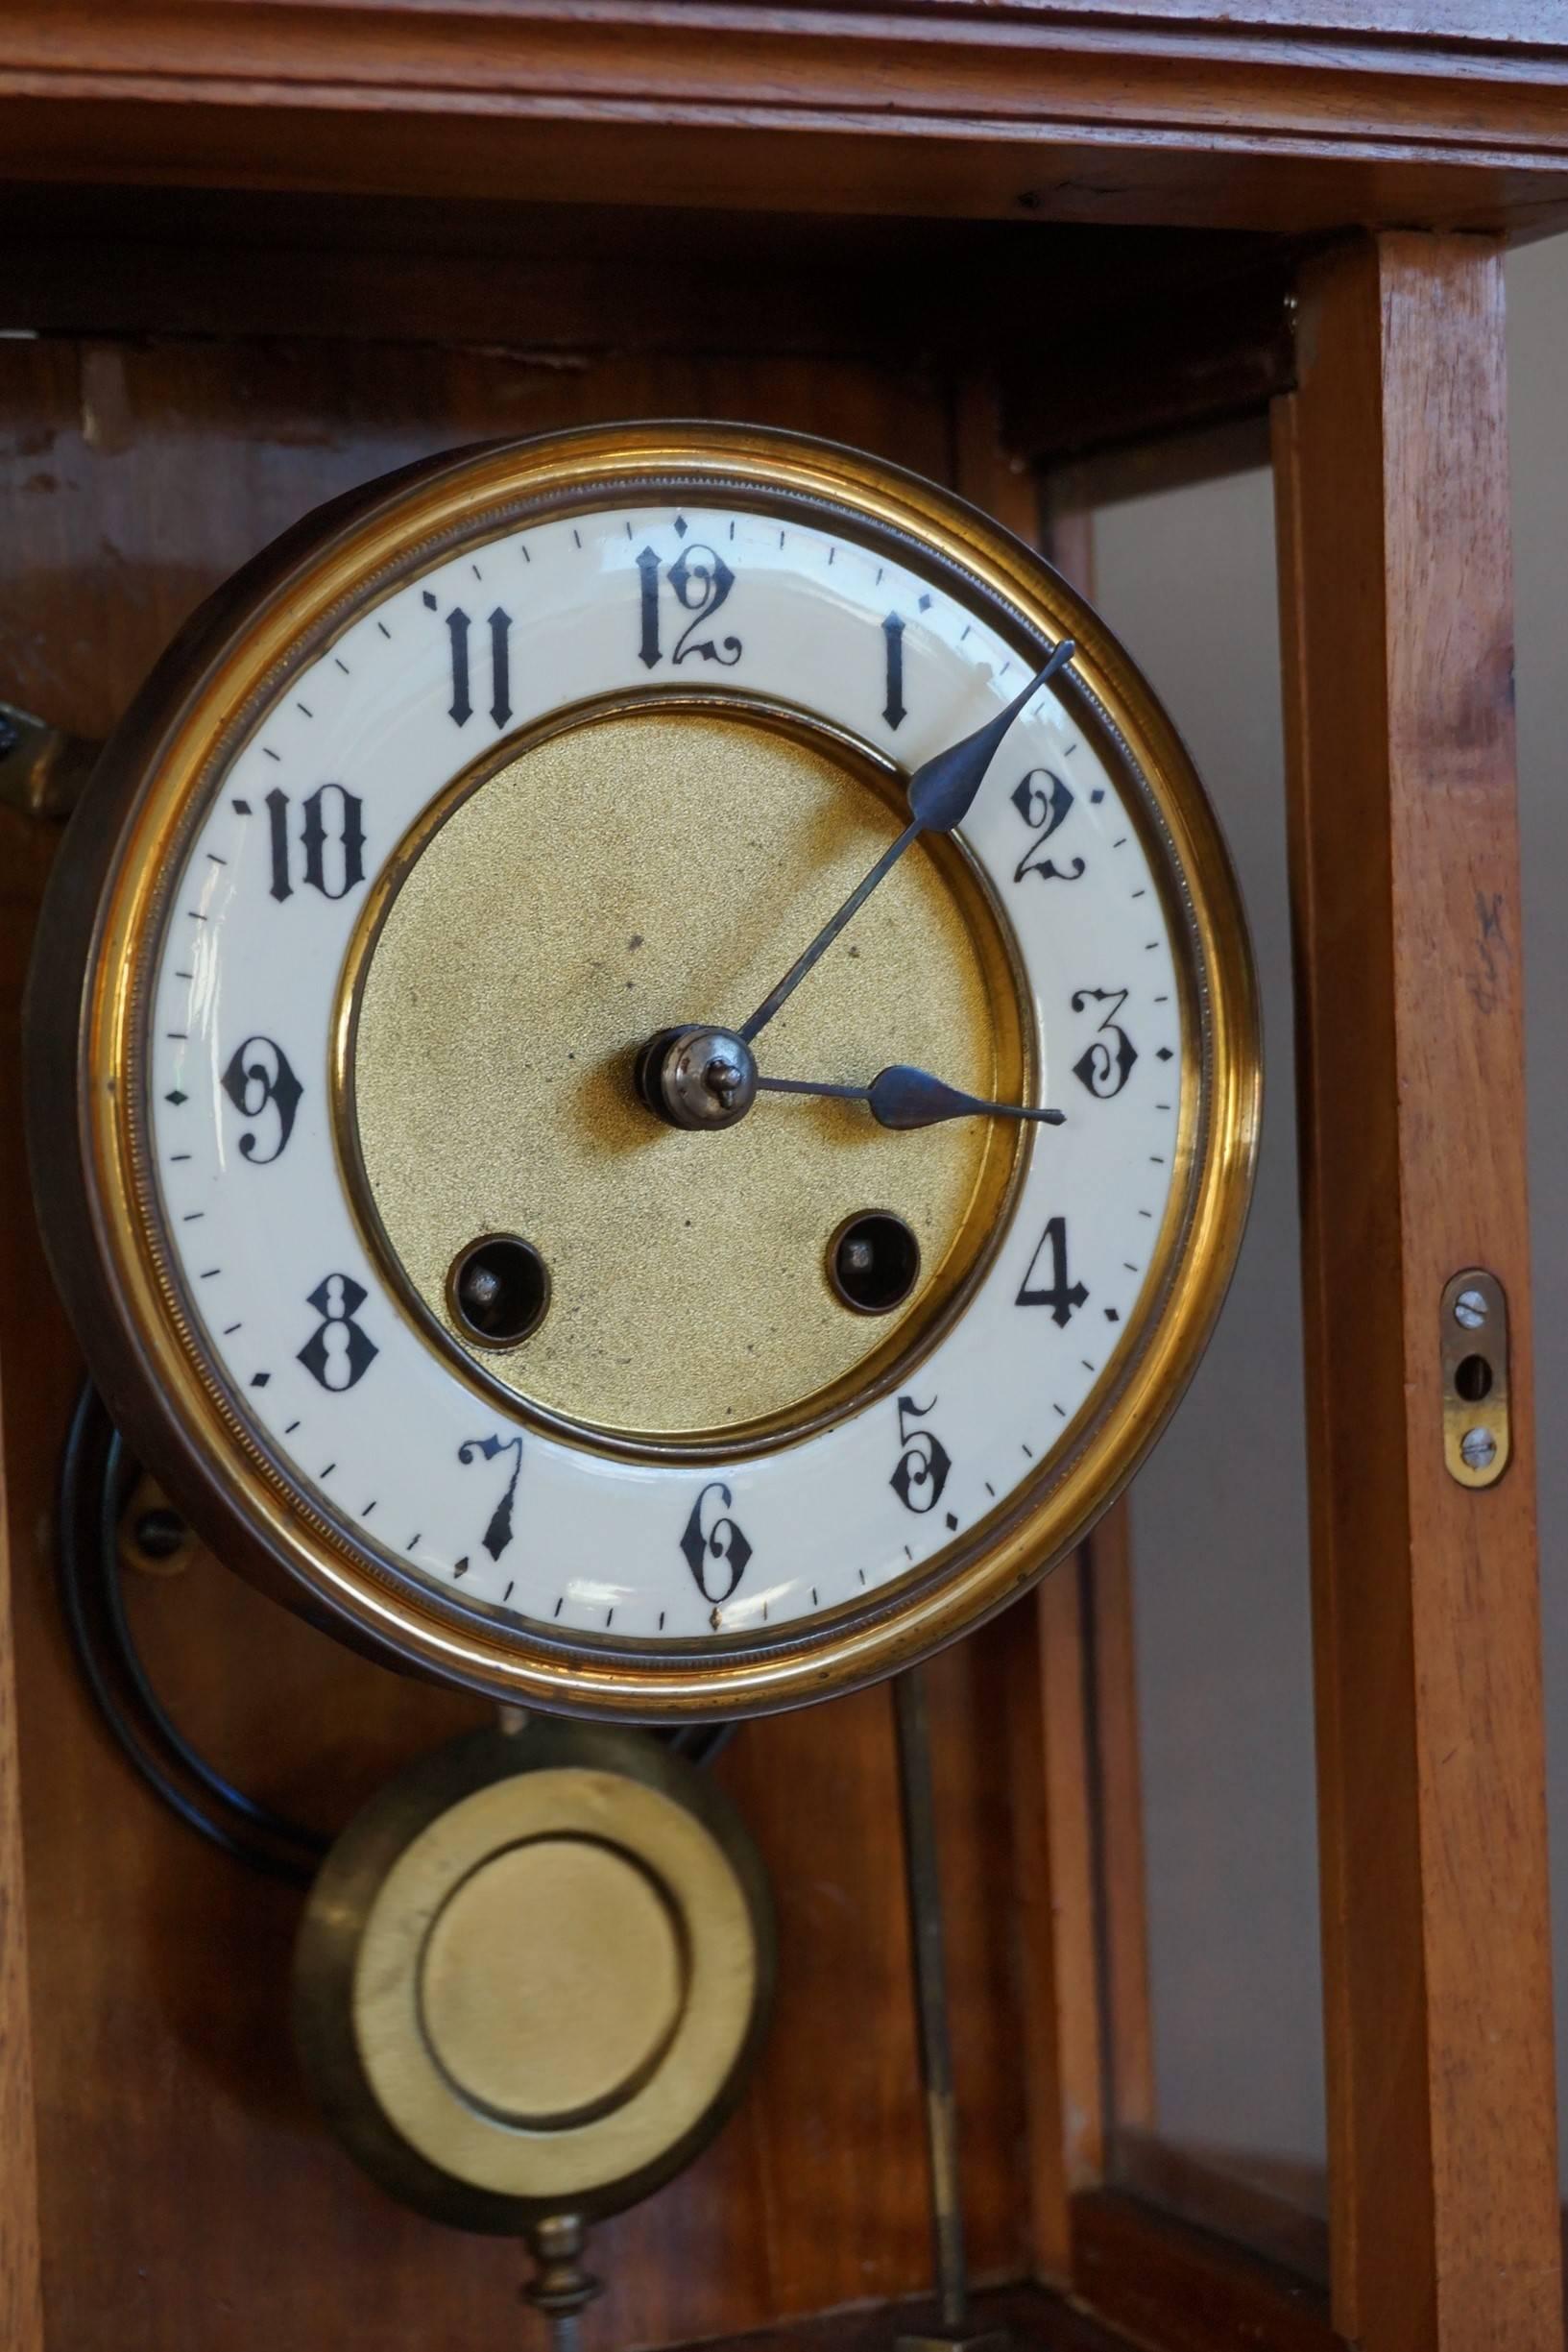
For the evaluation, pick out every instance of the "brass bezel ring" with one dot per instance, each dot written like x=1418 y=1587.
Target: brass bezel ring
x=98 y=1195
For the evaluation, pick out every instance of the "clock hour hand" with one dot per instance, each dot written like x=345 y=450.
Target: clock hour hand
x=941 y=793
x=901 y=1097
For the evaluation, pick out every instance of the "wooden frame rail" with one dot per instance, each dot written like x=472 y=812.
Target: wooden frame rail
x=1391 y=469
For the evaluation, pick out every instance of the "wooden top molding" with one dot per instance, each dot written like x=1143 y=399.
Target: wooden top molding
x=1291 y=115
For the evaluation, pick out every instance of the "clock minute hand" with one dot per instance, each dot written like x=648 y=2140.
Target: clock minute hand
x=941 y=793
x=902 y=1096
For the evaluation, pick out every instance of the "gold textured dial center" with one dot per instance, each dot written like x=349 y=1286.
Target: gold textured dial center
x=647 y=866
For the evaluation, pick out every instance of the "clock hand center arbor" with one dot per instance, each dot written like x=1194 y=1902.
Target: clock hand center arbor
x=696 y=1078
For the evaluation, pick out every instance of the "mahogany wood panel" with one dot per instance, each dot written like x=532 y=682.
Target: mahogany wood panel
x=1391 y=468
x=1290 y=119
x=189 y=2199
x=1121 y=1880
x=21 y=2290
x=1035 y=2319
x=1187 y=2291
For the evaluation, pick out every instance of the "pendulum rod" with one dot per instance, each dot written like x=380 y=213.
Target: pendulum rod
x=923 y=1878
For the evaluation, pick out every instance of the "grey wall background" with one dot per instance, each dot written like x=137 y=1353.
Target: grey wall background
x=1220 y=1523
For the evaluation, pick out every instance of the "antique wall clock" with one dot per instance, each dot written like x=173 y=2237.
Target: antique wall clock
x=644 y=1073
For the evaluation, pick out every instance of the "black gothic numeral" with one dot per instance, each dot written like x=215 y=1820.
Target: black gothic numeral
x=258 y=1079
x=1044 y=801
x=702 y=581
x=331 y=837
x=499 y=1530
x=1061 y=1296
x=714 y=1543
x=338 y=1352
x=893 y=709
x=647 y=565
x=922 y=1470
x=1105 y=1064
x=459 y=626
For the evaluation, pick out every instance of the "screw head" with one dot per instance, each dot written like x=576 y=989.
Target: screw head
x=1477 y=1449
x=159 y=1532
x=1470 y=1310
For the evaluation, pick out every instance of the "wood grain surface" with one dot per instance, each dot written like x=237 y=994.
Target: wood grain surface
x=22 y=2300
x=1187 y=2291
x=190 y=2200
x=1285 y=117
x=1392 y=466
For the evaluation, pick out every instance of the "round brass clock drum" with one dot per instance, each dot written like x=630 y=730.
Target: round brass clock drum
x=533 y=1974
x=644 y=1071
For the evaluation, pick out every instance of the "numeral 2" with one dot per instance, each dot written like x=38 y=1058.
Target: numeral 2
x=1044 y=802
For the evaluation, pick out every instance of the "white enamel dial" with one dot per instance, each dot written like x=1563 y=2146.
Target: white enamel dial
x=421 y=1467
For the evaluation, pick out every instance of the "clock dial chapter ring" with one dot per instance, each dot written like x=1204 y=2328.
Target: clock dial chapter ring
x=197 y=1414
x=685 y=1271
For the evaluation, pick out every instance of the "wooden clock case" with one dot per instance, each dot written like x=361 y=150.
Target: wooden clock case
x=256 y=252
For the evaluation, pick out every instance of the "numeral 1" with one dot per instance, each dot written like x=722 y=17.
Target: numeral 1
x=893 y=710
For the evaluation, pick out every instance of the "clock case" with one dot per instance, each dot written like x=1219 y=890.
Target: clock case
x=1055 y=256
x=96 y=1187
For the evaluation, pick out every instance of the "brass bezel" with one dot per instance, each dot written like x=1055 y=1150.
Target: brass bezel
x=98 y=1193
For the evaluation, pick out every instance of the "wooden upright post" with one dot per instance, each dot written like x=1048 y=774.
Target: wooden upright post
x=1392 y=482
x=21 y=2292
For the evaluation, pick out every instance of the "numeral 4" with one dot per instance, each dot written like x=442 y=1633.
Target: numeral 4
x=1063 y=1296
